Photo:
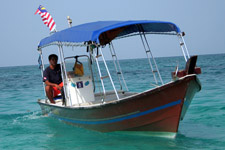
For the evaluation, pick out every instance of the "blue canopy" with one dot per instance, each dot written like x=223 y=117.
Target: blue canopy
x=102 y=32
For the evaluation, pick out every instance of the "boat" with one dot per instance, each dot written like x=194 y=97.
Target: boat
x=92 y=103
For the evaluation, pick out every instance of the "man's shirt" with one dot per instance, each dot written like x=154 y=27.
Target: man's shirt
x=53 y=76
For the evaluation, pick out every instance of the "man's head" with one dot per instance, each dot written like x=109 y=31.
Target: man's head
x=53 y=58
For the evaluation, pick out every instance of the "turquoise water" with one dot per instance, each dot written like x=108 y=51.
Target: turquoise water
x=23 y=127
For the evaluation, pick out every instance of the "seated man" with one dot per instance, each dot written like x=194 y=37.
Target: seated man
x=52 y=78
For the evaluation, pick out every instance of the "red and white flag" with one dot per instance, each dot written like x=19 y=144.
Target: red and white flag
x=46 y=18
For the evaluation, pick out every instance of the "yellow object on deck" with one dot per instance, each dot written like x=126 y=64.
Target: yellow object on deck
x=78 y=69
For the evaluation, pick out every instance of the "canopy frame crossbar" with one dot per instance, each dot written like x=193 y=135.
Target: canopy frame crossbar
x=149 y=55
x=117 y=67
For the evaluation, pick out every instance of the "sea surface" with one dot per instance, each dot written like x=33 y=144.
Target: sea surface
x=22 y=125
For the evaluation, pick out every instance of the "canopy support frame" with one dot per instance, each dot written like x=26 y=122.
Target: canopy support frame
x=100 y=49
x=116 y=63
x=148 y=50
x=100 y=74
x=42 y=69
x=64 y=75
x=183 y=47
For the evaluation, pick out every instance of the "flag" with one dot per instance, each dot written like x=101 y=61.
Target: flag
x=40 y=62
x=46 y=18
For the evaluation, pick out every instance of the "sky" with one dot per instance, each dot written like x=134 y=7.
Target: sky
x=202 y=20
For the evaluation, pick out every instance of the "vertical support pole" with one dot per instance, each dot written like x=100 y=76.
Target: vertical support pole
x=119 y=67
x=108 y=73
x=117 y=72
x=92 y=74
x=64 y=75
x=66 y=85
x=148 y=58
x=64 y=65
x=93 y=58
x=153 y=59
x=42 y=61
x=181 y=45
x=185 y=46
x=42 y=69
x=100 y=74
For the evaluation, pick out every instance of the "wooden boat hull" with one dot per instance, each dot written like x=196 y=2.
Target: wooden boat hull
x=158 y=110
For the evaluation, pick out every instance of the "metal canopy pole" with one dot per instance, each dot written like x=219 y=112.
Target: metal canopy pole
x=120 y=70
x=42 y=69
x=147 y=50
x=108 y=73
x=185 y=46
x=182 y=47
x=100 y=74
x=113 y=53
x=153 y=72
x=63 y=73
x=117 y=72
x=42 y=61
x=64 y=64
x=93 y=80
x=153 y=58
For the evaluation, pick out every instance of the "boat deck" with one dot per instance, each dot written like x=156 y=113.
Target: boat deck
x=109 y=98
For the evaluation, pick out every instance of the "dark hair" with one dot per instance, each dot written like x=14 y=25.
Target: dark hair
x=52 y=56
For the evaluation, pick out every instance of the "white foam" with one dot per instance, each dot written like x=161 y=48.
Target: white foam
x=170 y=135
x=27 y=116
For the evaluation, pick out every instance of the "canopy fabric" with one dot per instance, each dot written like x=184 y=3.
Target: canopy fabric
x=102 y=32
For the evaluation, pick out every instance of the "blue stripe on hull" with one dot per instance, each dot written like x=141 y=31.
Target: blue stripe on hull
x=120 y=118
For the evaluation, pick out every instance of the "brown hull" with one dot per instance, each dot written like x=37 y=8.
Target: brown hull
x=158 y=109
